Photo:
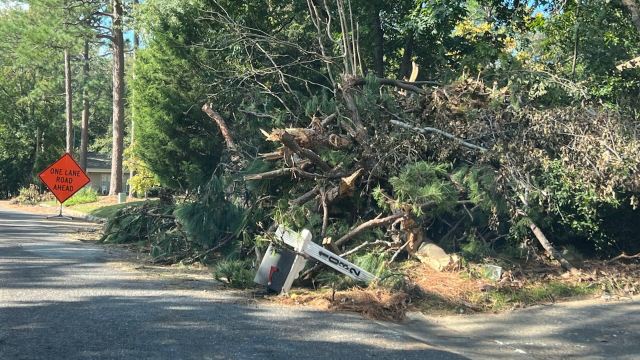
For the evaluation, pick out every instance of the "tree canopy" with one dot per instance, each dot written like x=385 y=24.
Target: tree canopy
x=471 y=122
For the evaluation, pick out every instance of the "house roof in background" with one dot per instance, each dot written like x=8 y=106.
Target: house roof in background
x=98 y=161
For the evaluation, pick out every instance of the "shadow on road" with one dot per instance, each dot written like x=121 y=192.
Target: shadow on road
x=62 y=299
x=187 y=328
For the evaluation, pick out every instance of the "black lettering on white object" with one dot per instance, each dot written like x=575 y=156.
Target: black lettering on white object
x=344 y=265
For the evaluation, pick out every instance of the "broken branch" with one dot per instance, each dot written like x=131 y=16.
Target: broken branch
x=221 y=124
x=426 y=130
x=624 y=256
x=281 y=172
x=368 y=225
x=289 y=141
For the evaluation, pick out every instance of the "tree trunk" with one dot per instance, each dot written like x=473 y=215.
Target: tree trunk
x=378 y=42
x=136 y=45
x=405 y=64
x=118 y=99
x=546 y=244
x=633 y=8
x=84 y=132
x=68 y=103
x=575 y=41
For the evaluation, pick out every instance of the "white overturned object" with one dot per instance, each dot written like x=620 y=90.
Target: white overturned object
x=302 y=244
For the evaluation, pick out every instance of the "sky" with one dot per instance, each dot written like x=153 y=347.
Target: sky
x=9 y=4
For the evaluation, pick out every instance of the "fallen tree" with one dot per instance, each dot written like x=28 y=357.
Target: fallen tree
x=361 y=189
x=375 y=167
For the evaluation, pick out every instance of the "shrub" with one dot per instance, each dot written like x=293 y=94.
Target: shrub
x=235 y=273
x=31 y=196
x=212 y=218
x=84 y=196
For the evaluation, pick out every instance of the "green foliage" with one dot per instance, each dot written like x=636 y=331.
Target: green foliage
x=31 y=195
x=438 y=186
x=211 y=218
x=177 y=141
x=143 y=179
x=147 y=223
x=235 y=273
x=84 y=196
x=423 y=184
x=475 y=249
x=31 y=84
x=373 y=262
x=296 y=217
x=506 y=297
x=577 y=206
x=605 y=37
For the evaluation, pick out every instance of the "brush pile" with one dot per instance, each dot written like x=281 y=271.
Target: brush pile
x=392 y=167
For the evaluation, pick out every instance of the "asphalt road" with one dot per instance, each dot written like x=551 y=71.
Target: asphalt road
x=65 y=299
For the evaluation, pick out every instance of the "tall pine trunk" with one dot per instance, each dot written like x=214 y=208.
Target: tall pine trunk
x=634 y=9
x=405 y=63
x=378 y=42
x=118 y=99
x=84 y=133
x=136 y=44
x=68 y=103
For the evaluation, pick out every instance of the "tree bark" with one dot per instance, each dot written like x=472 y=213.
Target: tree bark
x=378 y=42
x=226 y=134
x=117 y=46
x=368 y=225
x=289 y=141
x=575 y=41
x=68 y=103
x=546 y=244
x=633 y=8
x=136 y=45
x=405 y=64
x=84 y=132
x=427 y=130
x=358 y=132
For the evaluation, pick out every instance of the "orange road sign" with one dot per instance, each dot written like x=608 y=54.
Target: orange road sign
x=64 y=178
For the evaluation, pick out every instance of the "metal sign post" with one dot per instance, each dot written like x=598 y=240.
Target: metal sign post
x=60 y=216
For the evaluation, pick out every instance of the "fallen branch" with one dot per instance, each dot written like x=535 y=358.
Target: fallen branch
x=624 y=256
x=289 y=141
x=542 y=239
x=395 y=255
x=397 y=83
x=368 y=225
x=221 y=124
x=427 y=130
x=305 y=197
x=328 y=119
x=282 y=172
x=325 y=214
x=202 y=255
x=365 y=244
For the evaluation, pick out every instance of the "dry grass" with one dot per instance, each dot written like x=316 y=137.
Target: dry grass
x=450 y=286
x=372 y=303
